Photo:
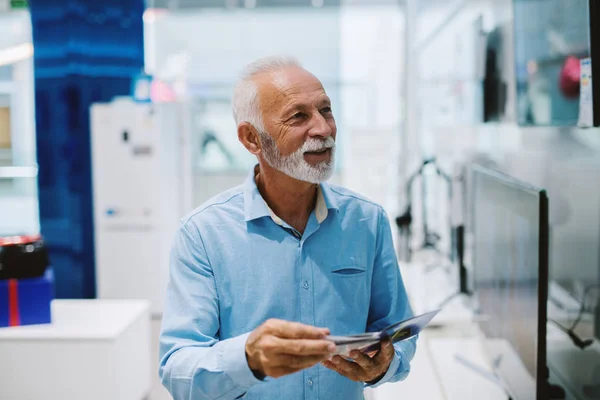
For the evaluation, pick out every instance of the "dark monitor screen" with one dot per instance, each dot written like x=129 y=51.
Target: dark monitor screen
x=510 y=278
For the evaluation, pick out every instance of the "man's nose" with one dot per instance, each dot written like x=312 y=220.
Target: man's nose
x=320 y=126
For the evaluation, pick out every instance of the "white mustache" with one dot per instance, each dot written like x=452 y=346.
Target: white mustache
x=318 y=145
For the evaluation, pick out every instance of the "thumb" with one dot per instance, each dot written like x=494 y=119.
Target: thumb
x=386 y=350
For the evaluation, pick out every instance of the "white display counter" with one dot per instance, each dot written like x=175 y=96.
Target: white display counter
x=93 y=350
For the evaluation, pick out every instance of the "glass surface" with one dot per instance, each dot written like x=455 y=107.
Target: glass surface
x=506 y=275
x=551 y=37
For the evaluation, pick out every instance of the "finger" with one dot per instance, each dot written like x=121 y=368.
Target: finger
x=386 y=353
x=333 y=367
x=363 y=360
x=295 y=330
x=373 y=353
x=301 y=347
x=349 y=369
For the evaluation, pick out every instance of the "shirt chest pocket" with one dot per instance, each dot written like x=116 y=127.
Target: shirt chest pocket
x=351 y=294
x=349 y=271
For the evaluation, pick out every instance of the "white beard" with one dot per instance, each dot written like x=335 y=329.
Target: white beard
x=294 y=165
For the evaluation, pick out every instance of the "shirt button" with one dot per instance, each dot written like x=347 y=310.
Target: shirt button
x=305 y=285
x=310 y=382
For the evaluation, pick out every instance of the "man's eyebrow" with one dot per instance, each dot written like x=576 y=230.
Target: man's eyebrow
x=294 y=107
x=299 y=106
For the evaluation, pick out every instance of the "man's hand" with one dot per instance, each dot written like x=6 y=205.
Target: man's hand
x=364 y=368
x=278 y=348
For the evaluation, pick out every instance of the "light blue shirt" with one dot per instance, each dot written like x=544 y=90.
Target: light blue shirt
x=235 y=264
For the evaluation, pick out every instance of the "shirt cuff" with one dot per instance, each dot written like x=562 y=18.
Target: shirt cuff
x=235 y=364
x=392 y=369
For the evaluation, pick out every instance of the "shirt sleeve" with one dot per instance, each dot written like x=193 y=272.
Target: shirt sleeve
x=194 y=363
x=389 y=301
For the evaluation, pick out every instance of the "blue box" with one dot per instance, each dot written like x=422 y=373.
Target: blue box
x=26 y=301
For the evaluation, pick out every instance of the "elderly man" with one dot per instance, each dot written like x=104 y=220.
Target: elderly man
x=263 y=272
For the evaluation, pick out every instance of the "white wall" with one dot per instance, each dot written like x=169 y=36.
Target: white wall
x=219 y=42
x=15 y=28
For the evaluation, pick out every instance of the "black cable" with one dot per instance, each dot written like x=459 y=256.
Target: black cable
x=582 y=307
x=582 y=344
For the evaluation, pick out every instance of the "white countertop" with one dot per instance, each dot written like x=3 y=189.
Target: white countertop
x=82 y=319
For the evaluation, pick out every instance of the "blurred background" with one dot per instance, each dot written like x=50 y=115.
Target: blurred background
x=115 y=120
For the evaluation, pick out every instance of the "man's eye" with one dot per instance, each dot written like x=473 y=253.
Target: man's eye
x=299 y=115
x=326 y=110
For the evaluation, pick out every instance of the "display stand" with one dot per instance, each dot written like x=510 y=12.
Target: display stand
x=93 y=350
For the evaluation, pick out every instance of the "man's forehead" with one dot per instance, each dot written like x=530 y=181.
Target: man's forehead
x=288 y=83
x=296 y=79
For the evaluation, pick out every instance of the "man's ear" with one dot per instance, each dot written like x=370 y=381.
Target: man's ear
x=248 y=136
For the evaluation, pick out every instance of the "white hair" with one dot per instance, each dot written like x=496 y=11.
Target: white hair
x=245 y=100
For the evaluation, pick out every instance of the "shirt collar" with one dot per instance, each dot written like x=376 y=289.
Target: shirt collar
x=255 y=206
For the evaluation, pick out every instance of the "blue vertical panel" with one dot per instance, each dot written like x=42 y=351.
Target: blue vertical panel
x=84 y=52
